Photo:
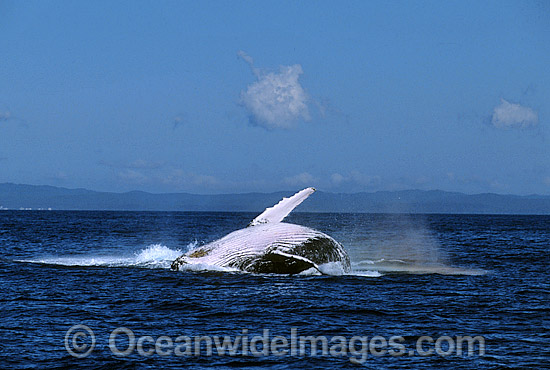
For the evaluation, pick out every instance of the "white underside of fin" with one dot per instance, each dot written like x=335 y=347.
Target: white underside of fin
x=296 y=257
x=282 y=209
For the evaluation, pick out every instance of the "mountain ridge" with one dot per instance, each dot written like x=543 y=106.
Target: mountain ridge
x=23 y=196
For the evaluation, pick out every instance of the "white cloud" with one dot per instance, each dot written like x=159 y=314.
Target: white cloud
x=132 y=176
x=495 y=184
x=177 y=121
x=355 y=180
x=59 y=176
x=144 y=164
x=337 y=179
x=302 y=179
x=276 y=99
x=138 y=164
x=422 y=180
x=4 y=116
x=179 y=177
x=365 y=180
x=247 y=58
x=203 y=180
x=510 y=115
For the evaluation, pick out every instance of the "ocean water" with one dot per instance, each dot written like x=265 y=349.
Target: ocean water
x=414 y=276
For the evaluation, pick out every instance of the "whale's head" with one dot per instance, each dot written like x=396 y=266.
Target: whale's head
x=178 y=262
x=184 y=259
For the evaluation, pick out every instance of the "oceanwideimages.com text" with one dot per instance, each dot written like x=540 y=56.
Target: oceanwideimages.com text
x=80 y=342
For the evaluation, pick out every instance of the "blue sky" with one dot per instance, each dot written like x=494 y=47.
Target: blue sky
x=230 y=96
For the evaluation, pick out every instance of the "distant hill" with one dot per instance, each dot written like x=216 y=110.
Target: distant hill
x=16 y=196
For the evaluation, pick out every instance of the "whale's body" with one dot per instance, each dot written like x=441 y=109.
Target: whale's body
x=268 y=245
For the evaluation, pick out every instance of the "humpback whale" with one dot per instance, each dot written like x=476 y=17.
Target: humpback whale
x=269 y=245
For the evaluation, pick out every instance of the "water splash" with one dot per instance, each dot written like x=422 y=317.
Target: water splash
x=404 y=267
x=158 y=256
x=152 y=256
x=161 y=257
x=400 y=244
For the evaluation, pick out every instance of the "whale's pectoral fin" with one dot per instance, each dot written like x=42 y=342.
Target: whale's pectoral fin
x=277 y=262
x=280 y=210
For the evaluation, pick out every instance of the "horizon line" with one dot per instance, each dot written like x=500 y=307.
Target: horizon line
x=278 y=191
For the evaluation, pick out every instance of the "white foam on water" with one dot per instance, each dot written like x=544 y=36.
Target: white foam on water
x=413 y=267
x=332 y=268
x=401 y=244
x=366 y=273
x=160 y=256
x=156 y=253
x=152 y=256
x=336 y=269
x=329 y=268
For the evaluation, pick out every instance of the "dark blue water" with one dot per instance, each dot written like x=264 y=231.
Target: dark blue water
x=414 y=275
